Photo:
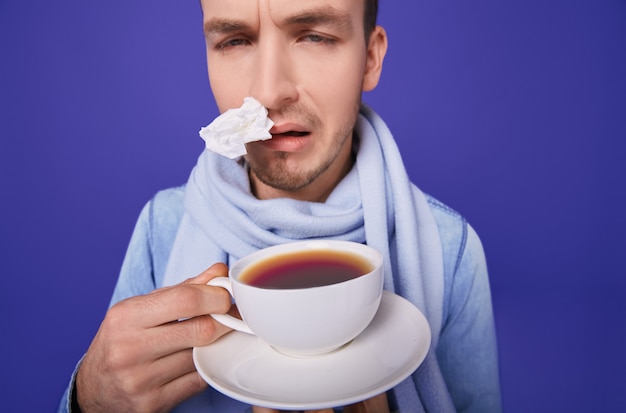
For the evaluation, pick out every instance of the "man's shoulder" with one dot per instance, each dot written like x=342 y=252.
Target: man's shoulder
x=166 y=207
x=446 y=217
x=453 y=232
x=170 y=198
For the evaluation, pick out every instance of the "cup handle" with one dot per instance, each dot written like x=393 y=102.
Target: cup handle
x=226 y=319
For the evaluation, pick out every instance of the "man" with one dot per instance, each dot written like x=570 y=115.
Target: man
x=331 y=170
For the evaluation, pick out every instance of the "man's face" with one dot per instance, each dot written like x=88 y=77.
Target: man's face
x=307 y=62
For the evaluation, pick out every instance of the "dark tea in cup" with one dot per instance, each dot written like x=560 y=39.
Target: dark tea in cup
x=305 y=269
x=271 y=288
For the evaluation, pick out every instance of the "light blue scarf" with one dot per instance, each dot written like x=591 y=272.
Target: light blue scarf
x=375 y=203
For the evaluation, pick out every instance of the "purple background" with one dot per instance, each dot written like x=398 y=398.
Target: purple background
x=514 y=113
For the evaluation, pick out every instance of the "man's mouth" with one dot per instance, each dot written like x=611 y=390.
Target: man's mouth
x=287 y=137
x=289 y=130
x=290 y=134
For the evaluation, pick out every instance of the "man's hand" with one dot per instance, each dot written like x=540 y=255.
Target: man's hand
x=140 y=360
x=377 y=404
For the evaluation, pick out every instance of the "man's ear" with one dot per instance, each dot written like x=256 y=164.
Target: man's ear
x=376 y=49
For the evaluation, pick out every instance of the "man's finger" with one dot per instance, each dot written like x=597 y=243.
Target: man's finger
x=165 y=305
x=193 y=332
x=216 y=270
x=376 y=404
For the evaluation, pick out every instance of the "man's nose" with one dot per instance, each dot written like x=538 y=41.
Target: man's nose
x=273 y=81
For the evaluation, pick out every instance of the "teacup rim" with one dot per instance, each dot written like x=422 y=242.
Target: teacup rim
x=376 y=260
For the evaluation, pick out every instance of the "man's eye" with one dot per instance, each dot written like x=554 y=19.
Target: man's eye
x=232 y=43
x=316 y=38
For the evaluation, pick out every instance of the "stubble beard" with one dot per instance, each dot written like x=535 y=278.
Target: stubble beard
x=279 y=174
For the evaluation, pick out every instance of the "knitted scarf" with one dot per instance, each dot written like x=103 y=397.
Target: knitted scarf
x=375 y=203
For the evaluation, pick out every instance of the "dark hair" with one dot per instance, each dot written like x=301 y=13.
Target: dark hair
x=369 y=19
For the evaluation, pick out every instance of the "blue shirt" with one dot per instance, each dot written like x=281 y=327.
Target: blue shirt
x=466 y=351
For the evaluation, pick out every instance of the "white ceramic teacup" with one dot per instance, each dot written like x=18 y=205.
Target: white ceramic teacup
x=304 y=321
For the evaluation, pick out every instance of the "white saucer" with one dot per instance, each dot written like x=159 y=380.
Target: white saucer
x=391 y=348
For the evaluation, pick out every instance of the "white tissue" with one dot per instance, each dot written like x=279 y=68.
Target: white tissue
x=228 y=134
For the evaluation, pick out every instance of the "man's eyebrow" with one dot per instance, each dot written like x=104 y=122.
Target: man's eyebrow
x=324 y=16
x=223 y=26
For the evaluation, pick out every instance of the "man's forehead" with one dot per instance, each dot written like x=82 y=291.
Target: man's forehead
x=250 y=10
